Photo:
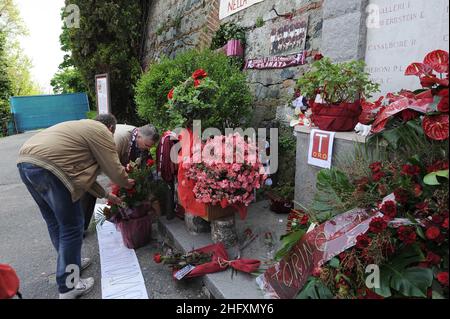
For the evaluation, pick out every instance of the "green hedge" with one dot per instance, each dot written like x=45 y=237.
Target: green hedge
x=234 y=103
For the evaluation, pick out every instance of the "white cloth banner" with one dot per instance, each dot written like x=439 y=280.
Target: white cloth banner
x=121 y=274
x=230 y=7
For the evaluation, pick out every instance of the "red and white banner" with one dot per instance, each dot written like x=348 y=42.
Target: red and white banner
x=230 y=7
x=321 y=148
x=315 y=248
x=277 y=62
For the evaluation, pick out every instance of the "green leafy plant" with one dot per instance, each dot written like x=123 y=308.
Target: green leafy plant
x=408 y=281
x=259 y=22
x=233 y=102
x=334 y=190
x=226 y=32
x=315 y=289
x=337 y=82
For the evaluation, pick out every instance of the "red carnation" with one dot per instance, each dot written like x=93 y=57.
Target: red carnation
x=378 y=176
x=131 y=191
x=304 y=220
x=433 y=233
x=437 y=219
x=170 y=95
x=401 y=195
x=363 y=241
x=445 y=223
x=442 y=277
x=157 y=258
x=318 y=57
x=377 y=225
x=407 y=234
x=410 y=170
x=438 y=166
x=199 y=74
x=375 y=167
x=150 y=162
x=433 y=259
x=417 y=190
x=197 y=83
x=389 y=208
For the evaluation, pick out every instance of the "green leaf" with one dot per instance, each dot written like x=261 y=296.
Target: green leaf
x=334 y=263
x=287 y=242
x=408 y=281
x=315 y=289
x=431 y=179
x=413 y=282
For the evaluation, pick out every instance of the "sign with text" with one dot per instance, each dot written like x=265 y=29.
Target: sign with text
x=321 y=148
x=289 y=35
x=402 y=32
x=278 y=62
x=230 y=7
x=103 y=94
x=286 y=278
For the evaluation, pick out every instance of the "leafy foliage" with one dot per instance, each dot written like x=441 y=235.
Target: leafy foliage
x=333 y=191
x=108 y=41
x=226 y=32
x=68 y=80
x=5 y=87
x=337 y=83
x=408 y=281
x=315 y=289
x=233 y=100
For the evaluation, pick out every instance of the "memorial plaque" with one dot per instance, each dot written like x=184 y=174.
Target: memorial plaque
x=402 y=32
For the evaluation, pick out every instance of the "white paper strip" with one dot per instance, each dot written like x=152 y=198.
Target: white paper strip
x=121 y=274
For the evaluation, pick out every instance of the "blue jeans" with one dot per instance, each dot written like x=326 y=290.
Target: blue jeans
x=64 y=218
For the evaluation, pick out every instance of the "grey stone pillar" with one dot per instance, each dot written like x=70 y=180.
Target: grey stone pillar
x=344 y=29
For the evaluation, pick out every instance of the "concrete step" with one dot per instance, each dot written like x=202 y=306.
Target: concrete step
x=242 y=286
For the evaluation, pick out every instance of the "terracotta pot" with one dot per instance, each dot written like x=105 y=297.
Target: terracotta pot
x=336 y=117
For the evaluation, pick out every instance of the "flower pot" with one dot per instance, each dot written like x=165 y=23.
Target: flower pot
x=279 y=205
x=336 y=117
x=216 y=212
x=234 y=47
x=223 y=230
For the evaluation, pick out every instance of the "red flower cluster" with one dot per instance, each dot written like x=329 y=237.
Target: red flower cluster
x=389 y=209
x=442 y=277
x=363 y=241
x=375 y=167
x=410 y=170
x=407 y=234
x=438 y=166
x=199 y=74
x=401 y=195
x=377 y=225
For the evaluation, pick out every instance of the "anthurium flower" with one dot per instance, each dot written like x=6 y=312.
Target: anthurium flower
x=436 y=127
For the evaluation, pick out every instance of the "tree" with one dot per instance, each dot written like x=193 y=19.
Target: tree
x=108 y=41
x=18 y=64
x=68 y=80
x=5 y=86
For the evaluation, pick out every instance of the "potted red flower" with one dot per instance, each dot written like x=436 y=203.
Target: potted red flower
x=335 y=91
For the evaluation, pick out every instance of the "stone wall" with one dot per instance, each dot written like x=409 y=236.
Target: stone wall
x=178 y=25
x=273 y=88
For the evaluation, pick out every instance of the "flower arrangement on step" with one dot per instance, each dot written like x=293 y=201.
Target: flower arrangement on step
x=222 y=181
x=404 y=251
x=340 y=87
x=137 y=201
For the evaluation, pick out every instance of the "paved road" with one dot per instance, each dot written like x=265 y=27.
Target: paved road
x=25 y=244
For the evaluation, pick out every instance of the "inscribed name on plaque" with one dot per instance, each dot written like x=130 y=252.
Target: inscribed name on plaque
x=402 y=32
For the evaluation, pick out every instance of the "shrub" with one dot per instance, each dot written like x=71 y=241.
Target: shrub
x=233 y=100
x=5 y=117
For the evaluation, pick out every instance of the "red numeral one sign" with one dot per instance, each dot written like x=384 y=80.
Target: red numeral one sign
x=321 y=148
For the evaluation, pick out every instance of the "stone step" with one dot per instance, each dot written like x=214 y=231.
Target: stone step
x=242 y=286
